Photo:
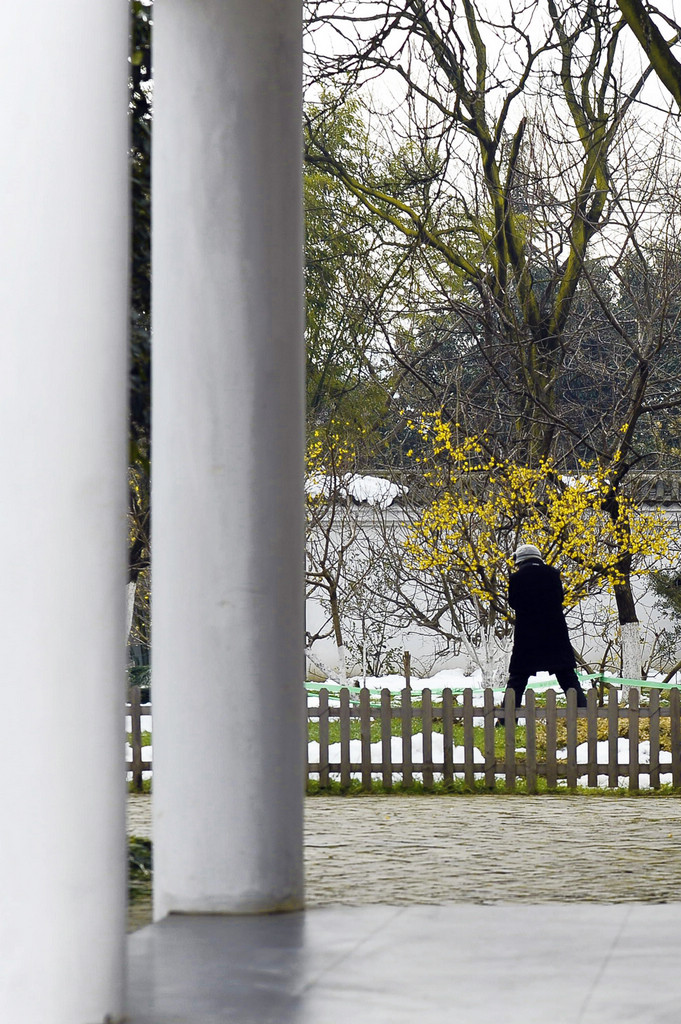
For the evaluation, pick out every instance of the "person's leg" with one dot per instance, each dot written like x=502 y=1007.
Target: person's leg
x=567 y=680
x=518 y=683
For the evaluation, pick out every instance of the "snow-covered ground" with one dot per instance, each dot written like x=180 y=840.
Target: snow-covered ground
x=622 y=758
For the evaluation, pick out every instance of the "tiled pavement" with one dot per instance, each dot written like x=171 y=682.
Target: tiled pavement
x=484 y=848
x=438 y=910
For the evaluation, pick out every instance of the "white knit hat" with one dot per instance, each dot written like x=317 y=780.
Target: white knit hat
x=525 y=552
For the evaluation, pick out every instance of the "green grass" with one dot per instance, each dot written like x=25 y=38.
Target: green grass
x=139 y=866
x=140 y=873
x=416 y=727
x=459 y=788
x=146 y=786
x=499 y=734
x=146 y=739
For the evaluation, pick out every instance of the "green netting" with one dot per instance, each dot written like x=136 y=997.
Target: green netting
x=542 y=684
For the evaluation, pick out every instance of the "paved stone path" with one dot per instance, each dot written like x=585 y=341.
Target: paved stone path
x=484 y=849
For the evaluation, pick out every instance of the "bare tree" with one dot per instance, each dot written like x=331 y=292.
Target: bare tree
x=480 y=95
x=529 y=191
x=639 y=17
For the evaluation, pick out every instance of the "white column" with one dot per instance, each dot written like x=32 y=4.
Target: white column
x=227 y=457
x=63 y=282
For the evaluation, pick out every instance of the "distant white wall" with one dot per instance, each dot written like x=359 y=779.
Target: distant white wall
x=426 y=648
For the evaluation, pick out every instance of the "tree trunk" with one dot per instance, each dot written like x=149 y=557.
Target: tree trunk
x=320 y=665
x=630 y=630
x=342 y=665
x=338 y=634
x=130 y=595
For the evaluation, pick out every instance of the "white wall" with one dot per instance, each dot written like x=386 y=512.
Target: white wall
x=584 y=622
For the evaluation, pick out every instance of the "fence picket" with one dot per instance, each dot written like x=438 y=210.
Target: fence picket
x=551 y=764
x=386 y=739
x=592 y=737
x=344 y=719
x=675 y=736
x=365 y=736
x=531 y=741
x=406 y=717
x=323 y=738
x=447 y=735
x=468 y=738
x=571 y=729
x=490 y=755
x=654 y=734
x=509 y=740
x=427 y=734
x=613 y=725
x=633 y=738
x=136 y=737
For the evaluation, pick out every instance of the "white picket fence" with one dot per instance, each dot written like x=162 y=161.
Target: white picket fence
x=475 y=760
x=432 y=755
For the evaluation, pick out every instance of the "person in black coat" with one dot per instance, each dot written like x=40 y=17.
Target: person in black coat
x=540 y=641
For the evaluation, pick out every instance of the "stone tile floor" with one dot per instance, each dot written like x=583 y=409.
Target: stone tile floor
x=459 y=964
x=484 y=848
x=441 y=910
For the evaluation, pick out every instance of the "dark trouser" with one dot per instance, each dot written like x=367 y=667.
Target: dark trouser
x=567 y=680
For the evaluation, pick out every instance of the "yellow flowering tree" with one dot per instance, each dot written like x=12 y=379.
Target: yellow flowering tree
x=483 y=506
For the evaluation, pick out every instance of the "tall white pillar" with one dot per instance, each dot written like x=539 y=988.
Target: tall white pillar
x=227 y=457
x=63 y=438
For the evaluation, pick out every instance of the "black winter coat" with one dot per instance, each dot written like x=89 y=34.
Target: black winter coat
x=541 y=641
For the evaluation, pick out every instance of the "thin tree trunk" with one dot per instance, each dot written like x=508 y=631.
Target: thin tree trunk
x=327 y=672
x=630 y=630
x=130 y=595
x=338 y=634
